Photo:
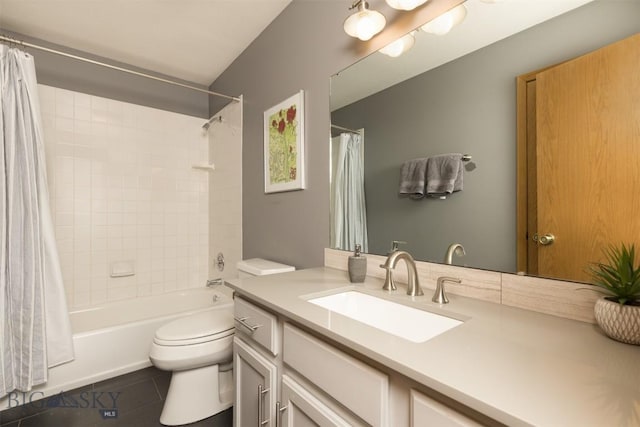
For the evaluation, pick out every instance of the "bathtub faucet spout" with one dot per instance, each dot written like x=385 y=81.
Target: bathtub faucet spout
x=214 y=282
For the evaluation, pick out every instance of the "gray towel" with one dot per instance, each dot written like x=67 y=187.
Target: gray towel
x=444 y=174
x=413 y=177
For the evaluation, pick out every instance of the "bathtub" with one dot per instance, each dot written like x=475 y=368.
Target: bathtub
x=114 y=339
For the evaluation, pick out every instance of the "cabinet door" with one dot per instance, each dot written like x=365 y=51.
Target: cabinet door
x=365 y=393
x=255 y=387
x=426 y=412
x=299 y=408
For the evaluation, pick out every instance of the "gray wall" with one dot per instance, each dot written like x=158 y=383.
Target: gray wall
x=467 y=106
x=66 y=73
x=305 y=45
x=301 y=49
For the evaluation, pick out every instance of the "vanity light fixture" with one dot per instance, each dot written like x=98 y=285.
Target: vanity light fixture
x=405 y=4
x=400 y=46
x=445 y=22
x=365 y=23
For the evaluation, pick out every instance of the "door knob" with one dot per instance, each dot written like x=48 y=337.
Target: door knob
x=547 y=239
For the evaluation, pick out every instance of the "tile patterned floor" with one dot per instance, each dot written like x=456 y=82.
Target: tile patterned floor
x=139 y=404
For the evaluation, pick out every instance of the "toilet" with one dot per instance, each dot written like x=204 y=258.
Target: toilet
x=198 y=350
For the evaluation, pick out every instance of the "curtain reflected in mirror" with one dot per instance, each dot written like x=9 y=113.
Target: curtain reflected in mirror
x=348 y=206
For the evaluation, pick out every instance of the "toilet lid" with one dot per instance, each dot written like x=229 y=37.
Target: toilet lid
x=199 y=327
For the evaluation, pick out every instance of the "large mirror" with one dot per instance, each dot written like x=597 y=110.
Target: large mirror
x=457 y=94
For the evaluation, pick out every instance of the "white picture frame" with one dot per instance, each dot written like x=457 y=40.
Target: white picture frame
x=284 y=145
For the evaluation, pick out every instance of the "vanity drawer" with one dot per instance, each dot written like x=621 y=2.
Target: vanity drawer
x=257 y=324
x=428 y=412
x=366 y=393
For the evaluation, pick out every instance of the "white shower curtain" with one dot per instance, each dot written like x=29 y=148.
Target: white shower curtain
x=34 y=322
x=349 y=208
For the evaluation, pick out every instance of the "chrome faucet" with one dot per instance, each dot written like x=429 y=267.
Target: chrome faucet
x=454 y=248
x=440 y=295
x=214 y=282
x=413 y=284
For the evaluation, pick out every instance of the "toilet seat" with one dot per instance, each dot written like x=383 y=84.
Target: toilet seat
x=206 y=326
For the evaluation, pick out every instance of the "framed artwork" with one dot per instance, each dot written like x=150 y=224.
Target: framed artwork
x=284 y=145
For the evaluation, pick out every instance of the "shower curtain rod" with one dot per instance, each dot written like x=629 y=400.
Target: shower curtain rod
x=345 y=129
x=11 y=40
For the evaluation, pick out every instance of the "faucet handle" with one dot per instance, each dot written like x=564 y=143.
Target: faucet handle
x=440 y=295
x=395 y=244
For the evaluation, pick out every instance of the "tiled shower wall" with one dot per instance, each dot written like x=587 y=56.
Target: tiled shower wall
x=122 y=188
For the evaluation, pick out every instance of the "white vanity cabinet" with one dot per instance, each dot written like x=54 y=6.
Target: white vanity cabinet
x=357 y=386
x=300 y=408
x=428 y=412
x=264 y=396
x=257 y=325
x=255 y=365
x=256 y=386
x=287 y=377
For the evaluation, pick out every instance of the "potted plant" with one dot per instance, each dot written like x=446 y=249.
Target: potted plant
x=618 y=313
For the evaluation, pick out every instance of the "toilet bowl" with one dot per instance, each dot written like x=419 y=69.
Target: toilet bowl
x=198 y=350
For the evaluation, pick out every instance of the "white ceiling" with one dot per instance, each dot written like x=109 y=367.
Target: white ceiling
x=485 y=23
x=193 y=40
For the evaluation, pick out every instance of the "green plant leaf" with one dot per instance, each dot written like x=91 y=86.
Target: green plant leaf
x=619 y=276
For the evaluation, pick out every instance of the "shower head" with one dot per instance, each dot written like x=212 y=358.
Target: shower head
x=207 y=125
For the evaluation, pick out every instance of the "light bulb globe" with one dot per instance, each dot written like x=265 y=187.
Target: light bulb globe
x=445 y=22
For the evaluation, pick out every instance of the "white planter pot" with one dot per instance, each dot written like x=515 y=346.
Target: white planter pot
x=620 y=322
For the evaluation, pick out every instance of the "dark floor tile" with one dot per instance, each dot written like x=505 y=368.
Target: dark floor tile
x=15 y=413
x=130 y=397
x=38 y=406
x=64 y=417
x=155 y=372
x=223 y=419
x=126 y=379
x=162 y=384
x=149 y=416
x=139 y=404
x=145 y=416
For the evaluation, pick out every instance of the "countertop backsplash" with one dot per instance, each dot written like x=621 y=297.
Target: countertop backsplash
x=569 y=300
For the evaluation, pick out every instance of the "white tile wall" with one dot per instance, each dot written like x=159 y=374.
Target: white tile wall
x=225 y=141
x=122 y=189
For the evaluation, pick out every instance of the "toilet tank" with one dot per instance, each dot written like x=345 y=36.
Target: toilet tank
x=261 y=267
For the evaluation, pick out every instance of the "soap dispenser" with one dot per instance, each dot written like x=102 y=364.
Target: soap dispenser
x=357 y=266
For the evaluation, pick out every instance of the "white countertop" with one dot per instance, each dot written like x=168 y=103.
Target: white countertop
x=515 y=366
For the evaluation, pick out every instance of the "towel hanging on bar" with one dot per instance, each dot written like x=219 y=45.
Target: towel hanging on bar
x=444 y=174
x=413 y=175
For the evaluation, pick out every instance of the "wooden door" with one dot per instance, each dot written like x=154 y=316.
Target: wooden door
x=255 y=379
x=588 y=158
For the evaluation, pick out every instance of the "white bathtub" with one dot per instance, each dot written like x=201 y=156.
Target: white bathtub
x=114 y=339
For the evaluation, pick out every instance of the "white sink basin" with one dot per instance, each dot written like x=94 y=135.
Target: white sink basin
x=397 y=319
